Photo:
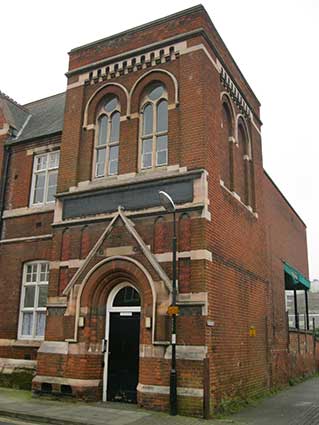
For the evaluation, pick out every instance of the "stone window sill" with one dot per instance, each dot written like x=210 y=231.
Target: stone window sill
x=237 y=197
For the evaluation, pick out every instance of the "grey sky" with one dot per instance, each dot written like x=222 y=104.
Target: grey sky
x=274 y=42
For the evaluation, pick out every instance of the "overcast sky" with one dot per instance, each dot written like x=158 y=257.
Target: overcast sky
x=274 y=42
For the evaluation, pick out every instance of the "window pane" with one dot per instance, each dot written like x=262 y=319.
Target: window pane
x=29 y=273
x=147 y=146
x=44 y=272
x=41 y=162
x=34 y=272
x=115 y=127
x=102 y=129
x=43 y=296
x=27 y=322
x=54 y=159
x=114 y=153
x=113 y=162
x=38 y=196
x=156 y=92
x=111 y=104
x=147 y=160
x=39 y=188
x=53 y=178
x=40 y=181
x=161 y=143
x=100 y=162
x=147 y=153
x=52 y=186
x=40 y=324
x=161 y=150
x=127 y=297
x=162 y=116
x=148 y=120
x=161 y=158
x=29 y=296
x=113 y=167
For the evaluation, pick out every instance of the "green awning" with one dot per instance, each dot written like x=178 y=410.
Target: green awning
x=294 y=279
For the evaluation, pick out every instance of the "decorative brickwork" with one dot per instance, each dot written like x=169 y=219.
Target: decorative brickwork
x=234 y=228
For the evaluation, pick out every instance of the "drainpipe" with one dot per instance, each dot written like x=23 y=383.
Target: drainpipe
x=3 y=182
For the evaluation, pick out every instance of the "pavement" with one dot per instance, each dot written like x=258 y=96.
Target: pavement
x=20 y=404
x=297 y=405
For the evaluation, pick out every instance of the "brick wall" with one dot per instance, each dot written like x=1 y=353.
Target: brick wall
x=246 y=232
x=286 y=242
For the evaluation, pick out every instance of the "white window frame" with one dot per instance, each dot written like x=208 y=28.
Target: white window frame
x=35 y=309
x=47 y=171
x=155 y=133
x=108 y=145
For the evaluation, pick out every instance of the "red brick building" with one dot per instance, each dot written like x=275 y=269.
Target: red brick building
x=85 y=249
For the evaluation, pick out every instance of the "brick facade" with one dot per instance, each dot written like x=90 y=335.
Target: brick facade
x=234 y=227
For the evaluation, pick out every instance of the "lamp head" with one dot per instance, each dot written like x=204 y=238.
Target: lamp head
x=166 y=201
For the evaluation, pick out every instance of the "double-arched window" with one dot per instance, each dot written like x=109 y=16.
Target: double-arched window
x=154 y=127
x=108 y=138
x=153 y=132
x=236 y=155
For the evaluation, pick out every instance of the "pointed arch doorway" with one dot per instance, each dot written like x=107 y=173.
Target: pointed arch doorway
x=121 y=347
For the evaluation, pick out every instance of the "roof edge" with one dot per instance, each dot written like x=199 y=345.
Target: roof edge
x=185 y=12
x=43 y=98
x=284 y=198
x=11 y=100
x=141 y=27
x=13 y=142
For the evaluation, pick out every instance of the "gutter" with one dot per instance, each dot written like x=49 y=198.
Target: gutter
x=3 y=183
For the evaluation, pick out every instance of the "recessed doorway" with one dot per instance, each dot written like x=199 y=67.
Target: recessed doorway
x=122 y=344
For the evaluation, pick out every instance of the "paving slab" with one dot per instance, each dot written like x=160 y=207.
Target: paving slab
x=297 y=405
x=21 y=404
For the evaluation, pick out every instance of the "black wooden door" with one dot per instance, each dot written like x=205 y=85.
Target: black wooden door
x=123 y=359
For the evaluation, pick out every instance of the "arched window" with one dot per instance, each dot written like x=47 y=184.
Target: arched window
x=245 y=167
x=154 y=127
x=127 y=297
x=227 y=166
x=107 y=138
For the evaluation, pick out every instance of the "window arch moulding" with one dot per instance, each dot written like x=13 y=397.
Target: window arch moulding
x=241 y=121
x=225 y=98
x=138 y=89
x=93 y=103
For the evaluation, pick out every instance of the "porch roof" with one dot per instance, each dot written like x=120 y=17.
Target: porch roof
x=294 y=279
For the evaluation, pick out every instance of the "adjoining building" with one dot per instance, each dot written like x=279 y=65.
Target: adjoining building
x=302 y=306
x=86 y=248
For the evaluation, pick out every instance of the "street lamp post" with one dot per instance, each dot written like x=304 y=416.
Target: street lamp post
x=168 y=204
